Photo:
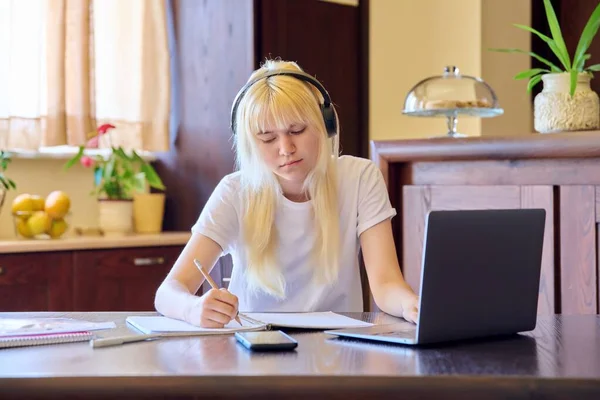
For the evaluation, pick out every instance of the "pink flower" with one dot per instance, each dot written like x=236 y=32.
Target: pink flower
x=92 y=143
x=102 y=129
x=86 y=161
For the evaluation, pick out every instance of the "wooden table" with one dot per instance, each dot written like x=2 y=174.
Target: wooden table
x=560 y=359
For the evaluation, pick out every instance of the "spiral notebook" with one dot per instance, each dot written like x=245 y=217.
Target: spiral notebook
x=19 y=332
x=43 y=339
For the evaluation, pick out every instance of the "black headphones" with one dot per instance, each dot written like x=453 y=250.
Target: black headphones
x=327 y=110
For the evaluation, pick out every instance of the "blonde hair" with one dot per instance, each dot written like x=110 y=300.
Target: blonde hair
x=284 y=100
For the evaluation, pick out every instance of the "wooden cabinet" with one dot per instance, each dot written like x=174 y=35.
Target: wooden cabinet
x=123 y=279
x=418 y=200
x=36 y=282
x=120 y=280
x=560 y=173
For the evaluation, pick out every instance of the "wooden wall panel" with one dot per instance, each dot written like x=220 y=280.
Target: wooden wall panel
x=573 y=15
x=418 y=200
x=578 y=250
x=543 y=197
x=475 y=197
x=597 y=203
x=416 y=204
x=214 y=55
x=332 y=50
x=506 y=172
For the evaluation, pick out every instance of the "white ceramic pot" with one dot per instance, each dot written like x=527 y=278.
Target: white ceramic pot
x=115 y=217
x=556 y=111
x=148 y=211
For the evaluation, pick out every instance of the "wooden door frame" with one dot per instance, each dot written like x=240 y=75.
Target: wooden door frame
x=363 y=10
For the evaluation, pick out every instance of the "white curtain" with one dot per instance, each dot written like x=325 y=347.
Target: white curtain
x=22 y=72
x=67 y=66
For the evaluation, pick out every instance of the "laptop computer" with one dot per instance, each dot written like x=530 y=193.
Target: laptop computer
x=480 y=277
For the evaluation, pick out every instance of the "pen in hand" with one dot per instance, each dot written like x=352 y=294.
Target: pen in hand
x=211 y=282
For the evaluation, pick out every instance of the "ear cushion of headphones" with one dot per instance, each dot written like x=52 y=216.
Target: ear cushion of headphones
x=330 y=120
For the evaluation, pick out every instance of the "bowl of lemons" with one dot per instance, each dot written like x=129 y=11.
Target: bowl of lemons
x=37 y=217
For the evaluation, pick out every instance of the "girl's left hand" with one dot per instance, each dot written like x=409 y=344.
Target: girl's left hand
x=410 y=307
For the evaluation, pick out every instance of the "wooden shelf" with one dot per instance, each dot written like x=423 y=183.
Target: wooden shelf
x=92 y=242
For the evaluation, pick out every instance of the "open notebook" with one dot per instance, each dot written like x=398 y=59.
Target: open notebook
x=250 y=321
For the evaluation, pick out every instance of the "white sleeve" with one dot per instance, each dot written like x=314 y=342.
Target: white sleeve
x=219 y=218
x=373 y=200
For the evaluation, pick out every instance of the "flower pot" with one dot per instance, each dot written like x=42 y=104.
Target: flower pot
x=115 y=217
x=556 y=111
x=148 y=212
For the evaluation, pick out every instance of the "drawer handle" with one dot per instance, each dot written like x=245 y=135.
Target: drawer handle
x=1 y=271
x=226 y=279
x=149 y=261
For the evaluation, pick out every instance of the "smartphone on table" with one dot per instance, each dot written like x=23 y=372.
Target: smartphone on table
x=267 y=340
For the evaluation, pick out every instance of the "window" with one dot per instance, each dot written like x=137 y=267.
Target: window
x=69 y=66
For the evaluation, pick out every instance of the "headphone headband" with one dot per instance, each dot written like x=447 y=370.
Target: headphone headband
x=327 y=110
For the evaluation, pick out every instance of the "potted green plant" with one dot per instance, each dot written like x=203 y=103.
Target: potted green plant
x=6 y=183
x=117 y=178
x=567 y=102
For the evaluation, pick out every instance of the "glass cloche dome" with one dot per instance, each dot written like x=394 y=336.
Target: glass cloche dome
x=451 y=95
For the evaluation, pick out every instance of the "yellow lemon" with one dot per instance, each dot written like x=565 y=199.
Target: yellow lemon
x=23 y=228
x=39 y=222
x=22 y=203
x=57 y=228
x=38 y=203
x=57 y=204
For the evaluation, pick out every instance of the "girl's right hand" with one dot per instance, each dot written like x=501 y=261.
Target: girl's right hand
x=216 y=308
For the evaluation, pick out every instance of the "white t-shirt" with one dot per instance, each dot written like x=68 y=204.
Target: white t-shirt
x=363 y=202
